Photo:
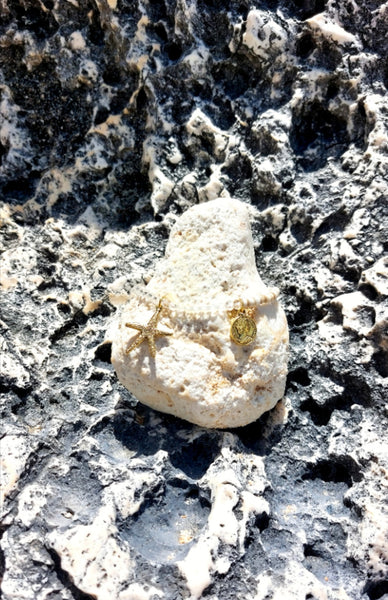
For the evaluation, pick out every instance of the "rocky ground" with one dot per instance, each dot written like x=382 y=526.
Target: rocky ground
x=115 y=117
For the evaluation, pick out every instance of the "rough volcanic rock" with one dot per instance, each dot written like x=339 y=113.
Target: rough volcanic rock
x=116 y=116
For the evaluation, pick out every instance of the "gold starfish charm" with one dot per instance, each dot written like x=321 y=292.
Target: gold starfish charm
x=147 y=332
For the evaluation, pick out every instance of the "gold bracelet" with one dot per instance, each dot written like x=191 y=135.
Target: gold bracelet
x=243 y=329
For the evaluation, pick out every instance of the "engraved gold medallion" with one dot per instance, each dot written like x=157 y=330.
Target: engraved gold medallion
x=243 y=328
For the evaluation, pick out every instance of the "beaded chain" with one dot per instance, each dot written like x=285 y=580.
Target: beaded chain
x=203 y=311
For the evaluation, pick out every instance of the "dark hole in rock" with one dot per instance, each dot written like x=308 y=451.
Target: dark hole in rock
x=222 y=113
x=96 y=32
x=173 y=50
x=304 y=314
x=112 y=75
x=308 y=8
x=97 y=376
x=239 y=171
x=19 y=190
x=269 y=244
x=236 y=78
x=310 y=550
x=195 y=458
x=262 y=521
x=368 y=290
x=332 y=90
x=299 y=375
x=380 y=361
x=9 y=386
x=305 y=45
x=301 y=231
x=157 y=10
x=351 y=505
x=349 y=273
x=335 y=314
x=160 y=31
x=320 y=415
x=376 y=589
x=317 y=134
x=2 y=563
x=334 y=222
x=141 y=99
x=3 y=151
x=334 y=471
x=41 y=23
x=251 y=436
x=101 y=115
x=70 y=327
x=214 y=5
x=356 y=390
x=385 y=74
x=136 y=435
x=72 y=205
x=103 y=310
x=48 y=253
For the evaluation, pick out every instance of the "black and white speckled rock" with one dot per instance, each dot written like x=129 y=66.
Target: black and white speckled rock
x=115 y=117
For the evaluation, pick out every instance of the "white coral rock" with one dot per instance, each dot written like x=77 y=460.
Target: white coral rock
x=199 y=373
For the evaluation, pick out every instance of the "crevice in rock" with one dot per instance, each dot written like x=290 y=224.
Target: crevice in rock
x=336 y=221
x=173 y=50
x=238 y=170
x=41 y=23
x=262 y=521
x=269 y=244
x=304 y=314
x=305 y=45
x=305 y=9
x=301 y=231
x=311 y=550
x=320 y=414
x=368 y=290
x=380 y=362
x=9 y=386
x=195 y=459
x=65 y=578
x=376 y=589
x=353 y=506
x=3 y=528
x=337 y=470
x=79 y=318
x=317 y=134
x=299 y=375
x=20 y=189
x=355 y=391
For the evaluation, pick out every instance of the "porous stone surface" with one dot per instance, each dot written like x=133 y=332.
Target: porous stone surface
x=206 y=281
x=116 y=117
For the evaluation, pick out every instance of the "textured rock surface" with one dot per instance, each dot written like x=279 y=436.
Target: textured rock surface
x=199 y=373
x=116 y=117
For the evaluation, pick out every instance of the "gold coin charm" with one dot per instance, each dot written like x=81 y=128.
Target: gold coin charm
x=243 y=329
